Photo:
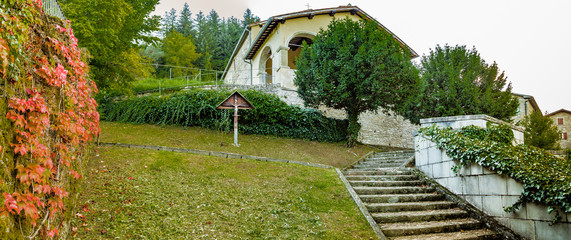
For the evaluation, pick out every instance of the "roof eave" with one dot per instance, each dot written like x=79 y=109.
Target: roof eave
x=253 y=50
x=558 y=111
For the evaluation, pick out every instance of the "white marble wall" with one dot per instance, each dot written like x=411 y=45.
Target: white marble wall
x=485 y=189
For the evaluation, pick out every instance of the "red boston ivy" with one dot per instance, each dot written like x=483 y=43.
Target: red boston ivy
x=48 y=102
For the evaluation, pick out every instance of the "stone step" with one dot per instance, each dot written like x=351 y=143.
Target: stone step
x=375 y=161
x=393 y=153
x=418 y=216
x=378 y=171
x=382 y=177
x=417 y=228
x=409 y=206
x=401 y=157
x=391 y=190
x=393 y=198
x=376 y=166
x=369 y=183
x=478 y=234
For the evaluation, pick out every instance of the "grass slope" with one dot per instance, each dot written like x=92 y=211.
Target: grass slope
x=147 y=194
x=334 y=154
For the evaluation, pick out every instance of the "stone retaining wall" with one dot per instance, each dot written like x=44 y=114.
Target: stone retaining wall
x=377 y=128
x=485 y=189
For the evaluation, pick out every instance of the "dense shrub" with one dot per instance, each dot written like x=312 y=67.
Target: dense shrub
x=545 y=177
x=197 y=107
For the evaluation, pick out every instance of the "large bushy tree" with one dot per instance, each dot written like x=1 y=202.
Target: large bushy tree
x=179 y=51
x=355 y=67
x=457 y=81
x=540 y=131
x=112 y=30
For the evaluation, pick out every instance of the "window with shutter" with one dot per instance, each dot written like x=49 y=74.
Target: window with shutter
x=559 y=121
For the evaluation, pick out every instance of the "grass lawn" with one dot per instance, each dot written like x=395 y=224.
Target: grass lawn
x=147 y=194
x=334 y=154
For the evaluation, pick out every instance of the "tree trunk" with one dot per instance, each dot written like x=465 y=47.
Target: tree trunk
x=353 y=128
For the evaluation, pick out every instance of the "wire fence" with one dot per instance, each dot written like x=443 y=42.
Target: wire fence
x=52 y=7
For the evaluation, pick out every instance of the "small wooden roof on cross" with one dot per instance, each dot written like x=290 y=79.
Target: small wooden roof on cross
x=235 y=99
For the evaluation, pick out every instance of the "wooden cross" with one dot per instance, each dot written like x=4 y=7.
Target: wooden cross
x=235 y=101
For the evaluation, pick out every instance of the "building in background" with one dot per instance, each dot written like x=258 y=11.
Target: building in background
x=562 y=119
x=527 y=105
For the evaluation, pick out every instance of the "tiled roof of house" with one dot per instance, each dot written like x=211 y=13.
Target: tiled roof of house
x=559 y=111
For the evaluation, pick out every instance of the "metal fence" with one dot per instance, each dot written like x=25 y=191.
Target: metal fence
x=52 y=7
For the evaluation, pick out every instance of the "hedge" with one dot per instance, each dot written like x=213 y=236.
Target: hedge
x=545 y=177
x=197 y=107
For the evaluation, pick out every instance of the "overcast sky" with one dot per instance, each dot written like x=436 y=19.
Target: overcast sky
x=530 y=40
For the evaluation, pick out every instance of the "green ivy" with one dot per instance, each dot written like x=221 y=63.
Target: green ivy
x=197 y=107
x=568 y=154
x=545 y=177
x=497 y=133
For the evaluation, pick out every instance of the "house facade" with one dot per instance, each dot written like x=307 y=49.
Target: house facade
x=562 y=119
x=527 y=105
x=266 y=55
x=266 y=52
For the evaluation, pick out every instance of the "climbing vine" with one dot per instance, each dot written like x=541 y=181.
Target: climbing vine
x=50 y=116
x=545 y=177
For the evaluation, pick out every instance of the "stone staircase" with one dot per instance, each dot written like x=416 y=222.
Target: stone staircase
x=404 y=207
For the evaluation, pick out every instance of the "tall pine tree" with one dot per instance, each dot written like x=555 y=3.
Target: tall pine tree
x=249 y=18
x=184 y=24
x=169 y=22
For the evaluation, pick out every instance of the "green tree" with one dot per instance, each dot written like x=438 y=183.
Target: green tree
x=215 y=27
x=112 y=31
x=204 y=39
x=169 y=23
x=355 y=66
x=457 y=81
x=249 y=18
x=179 y=51
x=184 y=24
x=540 y=131
x=229 y=36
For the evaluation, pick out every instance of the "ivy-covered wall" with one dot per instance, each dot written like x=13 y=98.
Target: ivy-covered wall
x=47 y=118
x=524 y=188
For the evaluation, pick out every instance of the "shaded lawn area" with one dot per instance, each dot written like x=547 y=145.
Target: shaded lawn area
x=147 y=194
x=334 y=154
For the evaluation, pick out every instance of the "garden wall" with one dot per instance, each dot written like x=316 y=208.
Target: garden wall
x=485 y=189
